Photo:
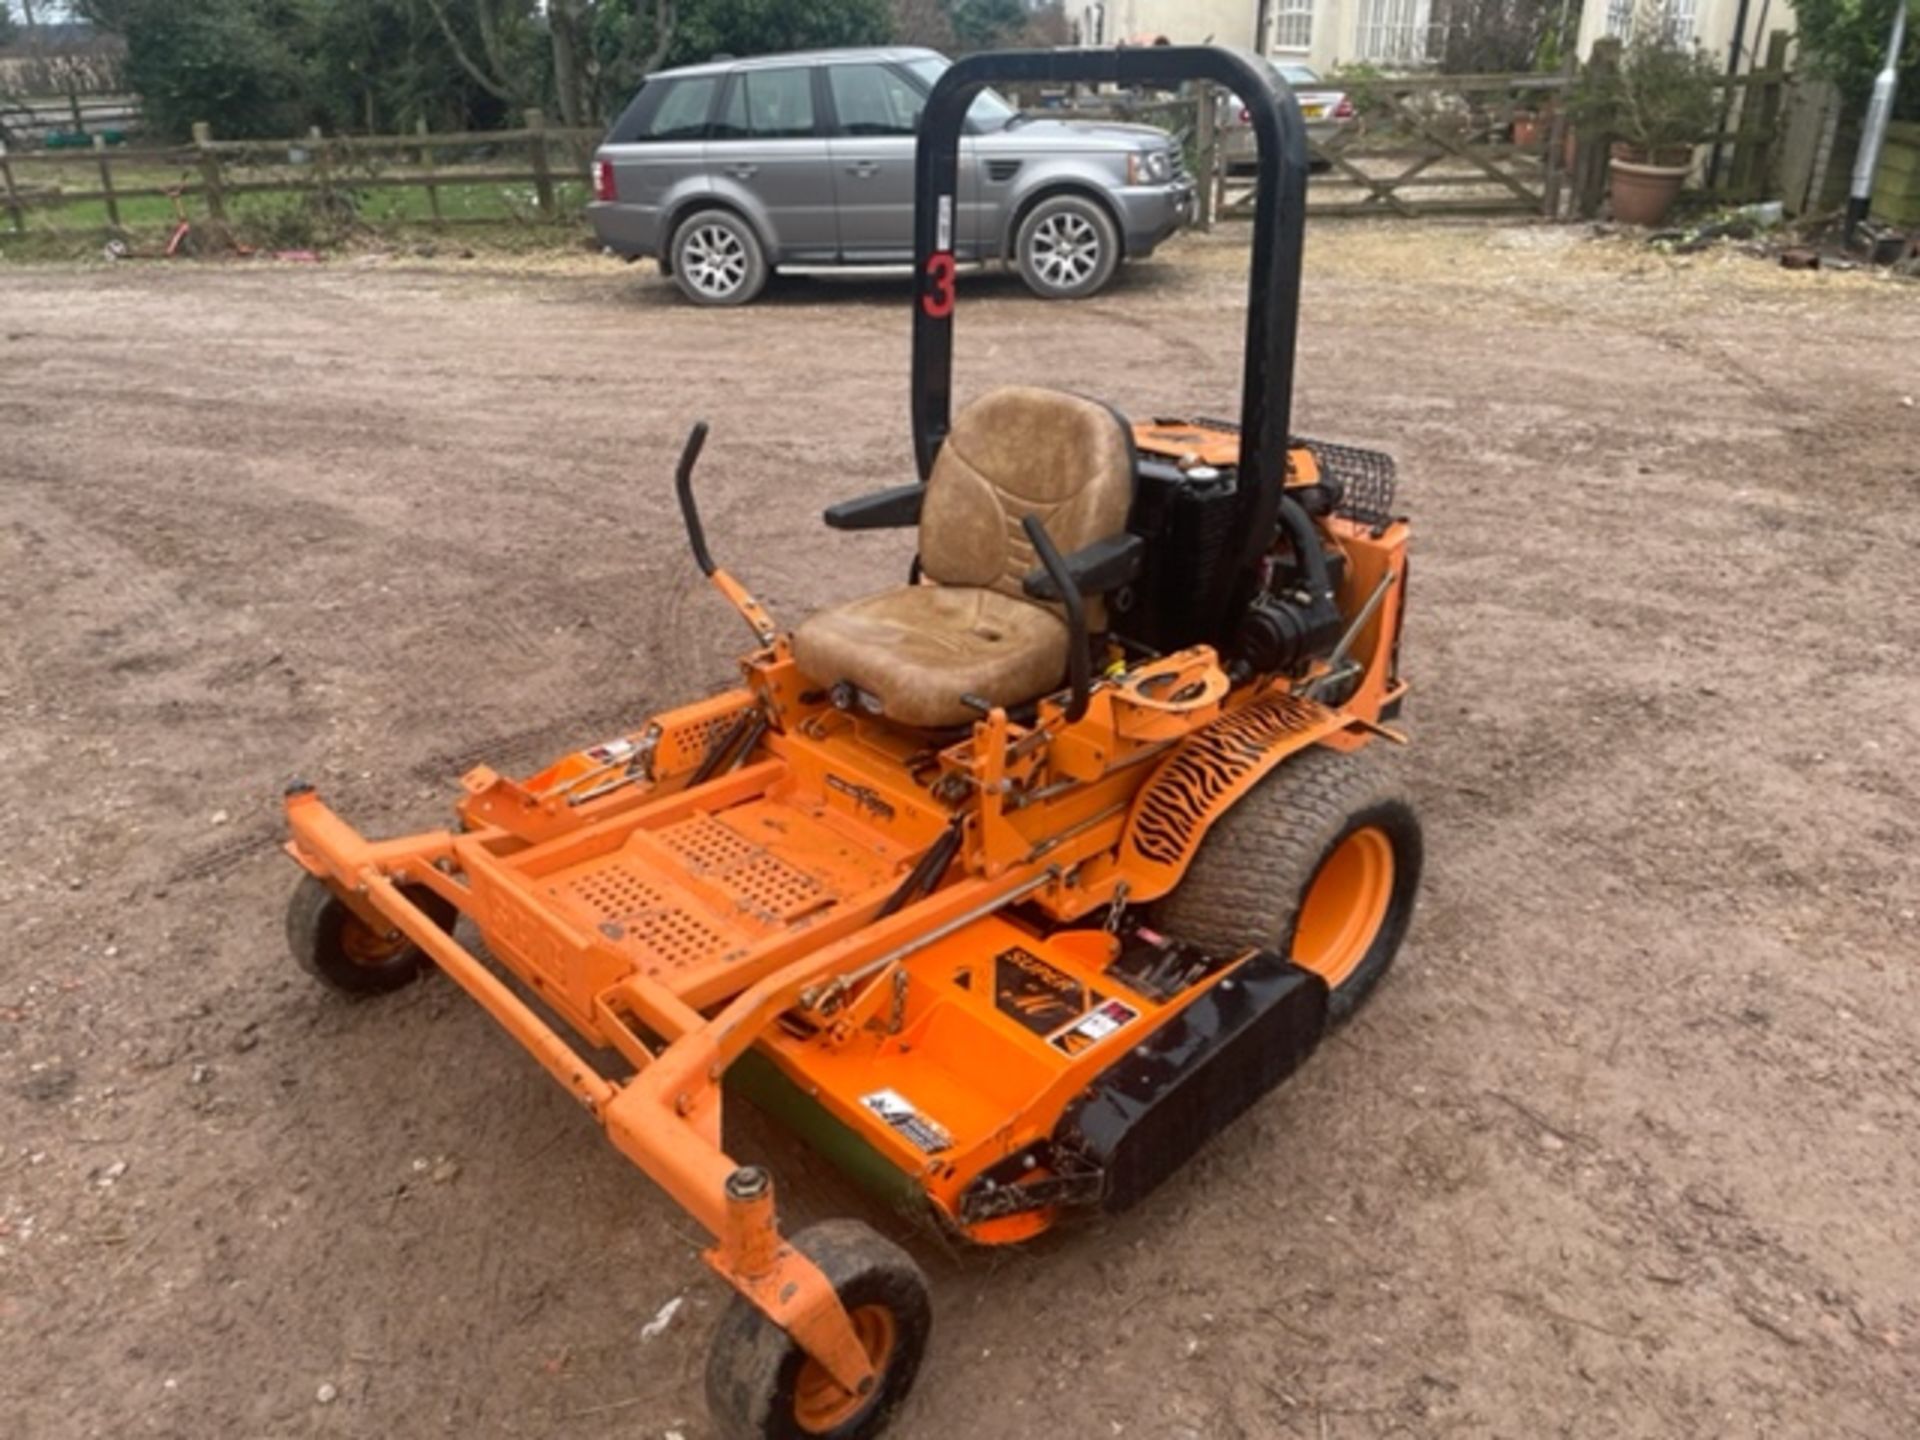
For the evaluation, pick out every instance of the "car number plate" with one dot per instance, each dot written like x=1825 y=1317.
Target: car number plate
x=1312 y=112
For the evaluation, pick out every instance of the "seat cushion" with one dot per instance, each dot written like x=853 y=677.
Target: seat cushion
x=921 y=647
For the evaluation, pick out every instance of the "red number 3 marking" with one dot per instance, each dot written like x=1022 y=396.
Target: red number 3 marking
x=938 y=299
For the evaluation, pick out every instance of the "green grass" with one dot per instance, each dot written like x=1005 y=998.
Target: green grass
x=297 y=217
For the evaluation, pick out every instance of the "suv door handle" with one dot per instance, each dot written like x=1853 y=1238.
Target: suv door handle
x=865 y=169
x=741 y=170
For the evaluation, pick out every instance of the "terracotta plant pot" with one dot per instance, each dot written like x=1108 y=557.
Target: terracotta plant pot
x=1532 y=129
x=1642 y=194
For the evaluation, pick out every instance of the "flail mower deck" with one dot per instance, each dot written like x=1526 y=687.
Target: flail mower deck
x=1013 y=884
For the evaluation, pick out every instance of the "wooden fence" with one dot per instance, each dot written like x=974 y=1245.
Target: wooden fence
x=27 y=122
x=1418 y=145
x=516 y=175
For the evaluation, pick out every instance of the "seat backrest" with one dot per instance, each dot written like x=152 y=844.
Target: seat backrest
x=1020 y=451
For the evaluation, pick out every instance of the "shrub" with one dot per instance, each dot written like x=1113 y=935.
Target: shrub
x=1662 y=96
x=225 y=61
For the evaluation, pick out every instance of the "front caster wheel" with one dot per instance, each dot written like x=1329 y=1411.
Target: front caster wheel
x=336 y=946
x=762 y=1386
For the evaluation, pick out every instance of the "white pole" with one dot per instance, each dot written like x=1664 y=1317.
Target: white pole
x=1874 y=133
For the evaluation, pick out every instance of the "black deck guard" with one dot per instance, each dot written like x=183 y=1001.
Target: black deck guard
x=1152 y=1110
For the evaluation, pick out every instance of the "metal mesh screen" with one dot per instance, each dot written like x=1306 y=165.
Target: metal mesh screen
x=1365 y=477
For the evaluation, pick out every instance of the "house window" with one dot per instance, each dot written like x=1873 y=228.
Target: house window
x=1676 y=18
x=1393 y=32
x=1293 y=24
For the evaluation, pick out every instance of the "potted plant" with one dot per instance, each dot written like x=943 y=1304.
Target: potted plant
x=1658 y=103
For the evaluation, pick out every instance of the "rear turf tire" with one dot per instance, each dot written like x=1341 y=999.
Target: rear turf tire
x=1320 y=863
x=762 y=1386
x=338 y=948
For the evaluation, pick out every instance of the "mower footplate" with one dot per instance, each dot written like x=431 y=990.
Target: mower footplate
x=703 y=890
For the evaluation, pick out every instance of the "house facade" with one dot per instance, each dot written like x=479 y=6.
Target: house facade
x=1396 y=34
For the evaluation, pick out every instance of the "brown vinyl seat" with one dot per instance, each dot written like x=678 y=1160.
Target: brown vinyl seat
x=970 y=629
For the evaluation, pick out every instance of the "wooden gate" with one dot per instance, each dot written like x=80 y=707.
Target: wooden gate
x=1432 y=145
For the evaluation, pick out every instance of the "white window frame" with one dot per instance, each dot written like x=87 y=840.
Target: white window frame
x=1293 y=25
x=1678 y=19
x=1394 y=32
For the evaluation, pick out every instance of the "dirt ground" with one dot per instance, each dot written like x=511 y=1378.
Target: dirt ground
x=1628 y=1146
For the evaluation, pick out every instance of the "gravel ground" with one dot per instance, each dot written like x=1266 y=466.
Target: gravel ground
x=1626 y=1147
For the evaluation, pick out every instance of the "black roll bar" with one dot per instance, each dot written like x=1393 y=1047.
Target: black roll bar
x=1273 y=287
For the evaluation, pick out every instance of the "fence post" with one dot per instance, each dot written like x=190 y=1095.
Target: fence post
x=322 y=167
x=543 y=176
x=1592 y=152
x=425 y=158
x=209 y=170
x=1756 y=142
x=15 y=209
x=1558 y=132
x=1205 y=155
x=106 y=180
x=1773 y=105
x=1556 y=168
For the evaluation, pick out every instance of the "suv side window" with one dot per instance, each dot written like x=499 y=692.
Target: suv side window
x=681 y=113
x=767 y=105
x=874 y=100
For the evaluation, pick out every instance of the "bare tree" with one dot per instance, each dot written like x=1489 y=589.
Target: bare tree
x=923 y=22
x=495 y=76
x=570 y=30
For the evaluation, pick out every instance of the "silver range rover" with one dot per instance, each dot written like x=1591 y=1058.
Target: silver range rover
x=727 y=171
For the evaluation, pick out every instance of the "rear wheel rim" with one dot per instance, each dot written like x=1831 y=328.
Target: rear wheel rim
x=1065 y=249
x=714 y=260
x=1345 y=906
x=820 y=1403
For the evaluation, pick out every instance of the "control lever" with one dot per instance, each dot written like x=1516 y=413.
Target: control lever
x=1079 y=665
x=736 y=594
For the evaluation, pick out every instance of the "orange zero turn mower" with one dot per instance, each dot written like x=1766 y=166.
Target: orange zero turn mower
x=1009 y=886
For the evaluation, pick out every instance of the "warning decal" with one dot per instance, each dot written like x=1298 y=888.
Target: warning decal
x=898 y=1111
x=1096 y=1025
